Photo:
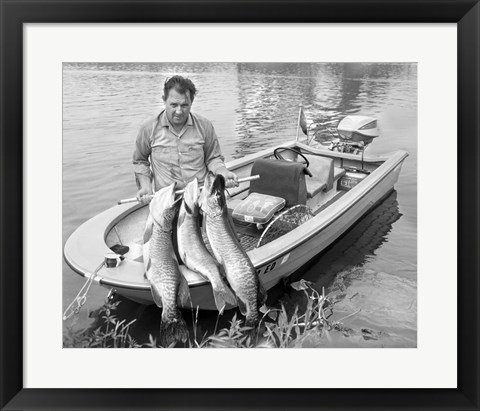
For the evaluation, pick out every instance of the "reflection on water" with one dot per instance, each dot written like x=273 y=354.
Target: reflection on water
x=358 y=246
x=252 y=106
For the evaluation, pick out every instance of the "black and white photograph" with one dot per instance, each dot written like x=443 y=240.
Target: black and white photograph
x=239 y=205
x=256 y=205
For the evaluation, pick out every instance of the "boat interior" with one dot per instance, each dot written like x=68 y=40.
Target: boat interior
x=296 y=183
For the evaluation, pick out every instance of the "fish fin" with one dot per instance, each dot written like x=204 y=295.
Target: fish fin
x=223 y=296
x=155 y=214
x=187 y=208
x=202 y=275
x=232 y=225
x=190 y=196
x=174 y=236
x=146 y=253
x=183 y=296
x=173 y=331
x=204 y=224
x=241 y=306
x=147 y=234
x=262 y=294
x=182 y=258
x=156 y=296
x=221 y=270
x=181 y=216
x=148 y=265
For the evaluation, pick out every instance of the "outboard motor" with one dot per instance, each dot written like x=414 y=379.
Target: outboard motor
x=355 y=133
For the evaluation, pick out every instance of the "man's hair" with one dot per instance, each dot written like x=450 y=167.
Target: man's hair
x=180 y=84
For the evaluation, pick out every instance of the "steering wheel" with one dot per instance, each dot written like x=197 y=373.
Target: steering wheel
x=278 y=156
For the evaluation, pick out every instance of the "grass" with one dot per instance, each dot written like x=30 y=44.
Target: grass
x=277 y=329
x=113 y=334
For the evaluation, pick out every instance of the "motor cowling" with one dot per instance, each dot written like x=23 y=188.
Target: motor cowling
x=358 y=129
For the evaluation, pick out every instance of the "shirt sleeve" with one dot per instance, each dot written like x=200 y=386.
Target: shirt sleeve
x=141 y=163
x=213 y=155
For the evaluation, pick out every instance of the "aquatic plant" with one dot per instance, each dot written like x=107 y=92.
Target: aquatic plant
x=278 y=328
x=112 y=334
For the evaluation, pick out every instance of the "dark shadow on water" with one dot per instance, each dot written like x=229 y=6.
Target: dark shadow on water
x=355 y=247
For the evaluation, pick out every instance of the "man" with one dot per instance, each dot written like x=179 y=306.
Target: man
x=177 y=145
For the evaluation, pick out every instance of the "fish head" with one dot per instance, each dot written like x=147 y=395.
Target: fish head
x=213 y=200
x=164 y=206
x=191 y=197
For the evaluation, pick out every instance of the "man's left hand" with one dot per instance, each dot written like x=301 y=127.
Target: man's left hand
x=231 y=179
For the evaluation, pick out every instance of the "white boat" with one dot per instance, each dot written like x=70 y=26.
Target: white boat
x=346 y=183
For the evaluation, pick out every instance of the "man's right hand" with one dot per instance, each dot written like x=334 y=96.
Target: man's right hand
x=143 y=195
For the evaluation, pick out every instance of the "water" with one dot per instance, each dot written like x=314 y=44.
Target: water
x=372 y=270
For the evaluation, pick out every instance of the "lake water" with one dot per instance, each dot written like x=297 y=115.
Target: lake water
x=371 y=271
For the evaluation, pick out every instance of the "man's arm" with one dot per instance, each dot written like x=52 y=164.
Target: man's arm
x=141 y=165
x=214 y=159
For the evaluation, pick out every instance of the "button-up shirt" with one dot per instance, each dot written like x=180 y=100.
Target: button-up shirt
x=176 y=157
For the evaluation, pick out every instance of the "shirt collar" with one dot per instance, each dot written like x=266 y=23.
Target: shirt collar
x=163 y=120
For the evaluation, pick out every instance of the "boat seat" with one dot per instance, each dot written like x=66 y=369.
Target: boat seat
x=324 y=174
x=281 y=183
x=257 y=208
x=280 y=178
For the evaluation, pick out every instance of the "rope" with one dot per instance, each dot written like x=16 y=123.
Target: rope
x=298 y=122
x=118 y=234
x=81 y=299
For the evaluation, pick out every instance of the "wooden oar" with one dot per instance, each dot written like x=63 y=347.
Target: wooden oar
x=240 y=180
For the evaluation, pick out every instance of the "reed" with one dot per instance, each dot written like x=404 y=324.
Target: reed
x=277 y=329
x=114 y=333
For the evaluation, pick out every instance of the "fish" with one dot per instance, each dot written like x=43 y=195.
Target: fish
x=193 y=251
x=240 y=272
x=168 y=285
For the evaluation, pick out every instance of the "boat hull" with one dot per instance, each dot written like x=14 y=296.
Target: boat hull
x=274 y=261
x=287 y=263
x=202 y=296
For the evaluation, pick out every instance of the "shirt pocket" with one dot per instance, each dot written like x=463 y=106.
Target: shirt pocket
x=194 y=156
x=166 y=156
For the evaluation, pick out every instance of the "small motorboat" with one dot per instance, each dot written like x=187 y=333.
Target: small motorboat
x=308 y=194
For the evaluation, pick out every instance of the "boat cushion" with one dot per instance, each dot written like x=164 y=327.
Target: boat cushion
x=257 y=208
x=322 y=170
x=280 y=178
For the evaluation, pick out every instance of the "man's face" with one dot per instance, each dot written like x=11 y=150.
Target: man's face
x=177 y=107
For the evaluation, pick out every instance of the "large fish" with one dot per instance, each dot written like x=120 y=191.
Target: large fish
x=167 y=283
x=192 y=249
x=241 y=273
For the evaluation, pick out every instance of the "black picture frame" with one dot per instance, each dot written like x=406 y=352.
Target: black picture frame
x=14 y=13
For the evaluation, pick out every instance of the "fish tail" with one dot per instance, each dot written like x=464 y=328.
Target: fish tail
x=252 y=323
x=262 y=294
x=183 y=294
x=173 y=330
x=251 y=319
x=223 y=296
